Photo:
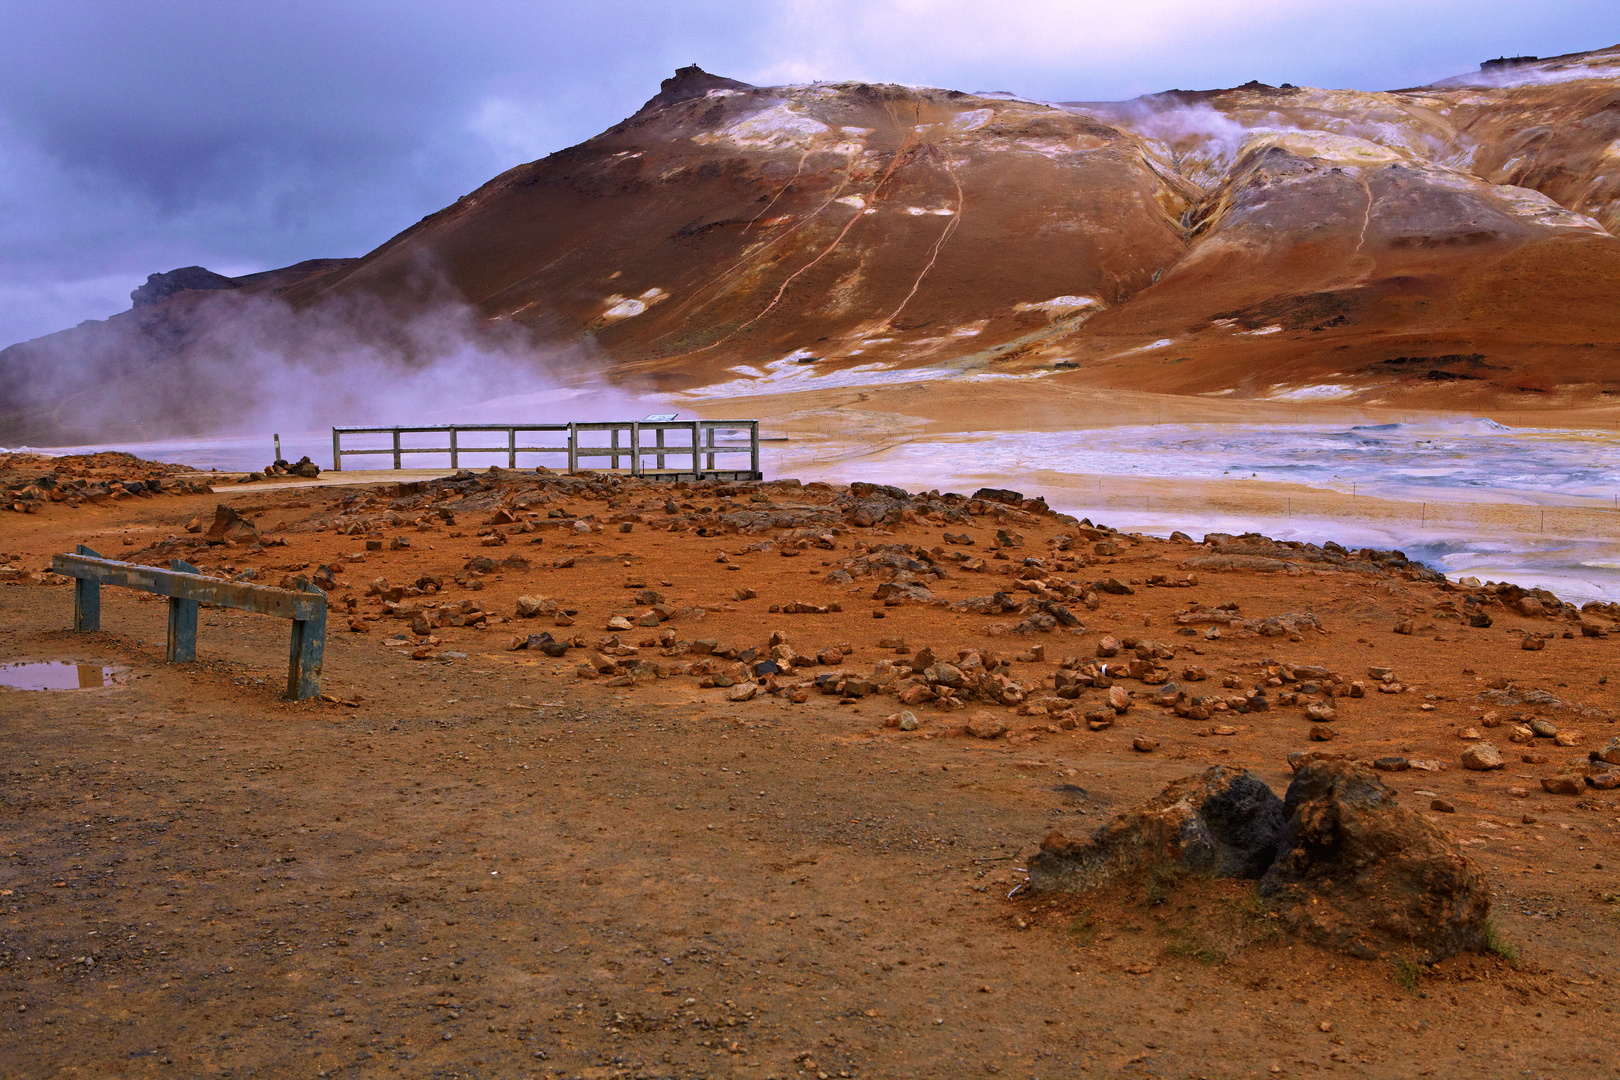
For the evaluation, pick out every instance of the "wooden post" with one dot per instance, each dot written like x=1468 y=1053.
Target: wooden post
x=753 y=448
x=305 y=650
x=511 y=448
x=337 y=450
x=660 y=437
x=396 y=448
x=86 y=598
x=697 y=448
x=710 y=440
x=635 y=448
x=613 y=444
x=182 y=644
x=453 y=455
x=573 y=447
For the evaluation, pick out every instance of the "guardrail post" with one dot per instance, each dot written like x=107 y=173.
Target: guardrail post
x=697 y=462
x=305 y=651
x=182 y=643
x=511 y=448
x=753 y=448
x=660 y=437
x=337 y=451
x=635 y=448
x=613 y=444
x=573 y=447
x=396 y=448
x=710 y=439
x=453 y=458
x=86 y=598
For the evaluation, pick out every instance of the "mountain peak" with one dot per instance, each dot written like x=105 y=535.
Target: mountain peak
x=690 y=82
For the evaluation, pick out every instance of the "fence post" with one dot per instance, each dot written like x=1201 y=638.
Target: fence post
x=753 y=448
x=710 y=440
x=660 y=438
x=86 y=598
x=511 y=448
x=396 y=448
x=337 y=450
x=305 y=651
x=697 y=460
x=635 y=448
x=181 y=647
x=573 y=447
x=453 y=457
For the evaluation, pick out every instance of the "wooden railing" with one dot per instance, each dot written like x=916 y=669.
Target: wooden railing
x=666 y=449
x=186 y=587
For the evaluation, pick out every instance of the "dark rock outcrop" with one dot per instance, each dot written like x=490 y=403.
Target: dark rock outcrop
x=1356 y=872
x=1223 y=821
x=1343 y=865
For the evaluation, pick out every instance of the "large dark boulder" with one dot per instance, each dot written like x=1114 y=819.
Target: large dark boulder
x=1223 y=822
x=1357 y=872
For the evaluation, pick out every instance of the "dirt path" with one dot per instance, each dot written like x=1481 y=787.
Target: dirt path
x=491 y=867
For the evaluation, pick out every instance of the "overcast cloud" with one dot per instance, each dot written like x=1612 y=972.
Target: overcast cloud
x=142 y=136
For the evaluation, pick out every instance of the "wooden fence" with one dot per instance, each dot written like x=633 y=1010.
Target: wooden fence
x=666 y=449
x=186 y=588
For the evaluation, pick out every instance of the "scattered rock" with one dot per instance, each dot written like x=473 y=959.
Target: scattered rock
x=1441 y=806
x=1482 y=757
x=1563 y=784
x=985 y=725
x=1144 y=744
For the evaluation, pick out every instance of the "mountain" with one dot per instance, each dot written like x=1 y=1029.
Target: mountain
x=1448 y=246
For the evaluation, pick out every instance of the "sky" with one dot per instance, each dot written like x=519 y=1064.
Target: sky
x=137 y=136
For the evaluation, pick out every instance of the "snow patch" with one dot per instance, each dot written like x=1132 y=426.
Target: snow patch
x=1065 y=303
x=1321 y=392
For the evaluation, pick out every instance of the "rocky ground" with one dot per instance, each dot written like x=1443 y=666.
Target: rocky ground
x=632 y=779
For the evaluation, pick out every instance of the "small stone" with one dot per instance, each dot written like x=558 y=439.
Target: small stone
x=1533 y=644
x=1323 y=733
x=1142 y=744
x=1442 y=806
x=1521 y=734
x=742 y=692
x=1534 y=759
x=1119 y=699
x=1563 y=784
x=1611 y=751
x=1544 y=729
x=1392 y=764
x=1468 y=733
x=619 y=622
x=1405 y=626
x=1482 y=757
x=908 y=720
x=1320 y=710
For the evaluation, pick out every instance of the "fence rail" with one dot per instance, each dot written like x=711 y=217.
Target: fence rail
x=676 y=449
x=187 y=587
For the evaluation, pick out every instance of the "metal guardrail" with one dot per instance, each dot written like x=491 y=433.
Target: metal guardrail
x=668 y=444
x=186 y=587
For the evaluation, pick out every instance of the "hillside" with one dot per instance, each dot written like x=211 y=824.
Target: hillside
x=1448 y=246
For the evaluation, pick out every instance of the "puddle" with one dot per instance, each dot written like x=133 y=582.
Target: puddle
x=56 y=675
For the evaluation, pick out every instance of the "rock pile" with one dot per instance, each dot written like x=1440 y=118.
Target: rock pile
x=32 y=482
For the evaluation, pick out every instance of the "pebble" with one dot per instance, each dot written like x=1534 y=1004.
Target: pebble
x=908 y=720
x=1482 y=757
x=1441 y=806
x=1145 y=745
x=1323 y=734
